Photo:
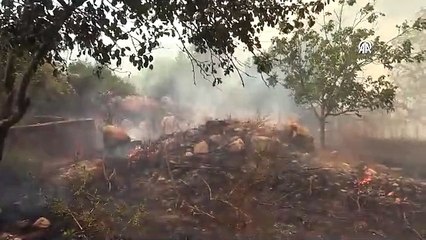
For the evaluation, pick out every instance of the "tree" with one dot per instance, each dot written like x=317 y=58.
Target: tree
x=43 y=29
x=74 y=94
x=409 y=77
x=324 y=69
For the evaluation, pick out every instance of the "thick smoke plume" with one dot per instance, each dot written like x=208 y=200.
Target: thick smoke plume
x=174 y=78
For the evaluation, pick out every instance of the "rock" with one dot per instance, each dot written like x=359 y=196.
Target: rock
x=23 y=223
x=217 y=138
x=303 y=142
x=236 y=146
x=264 y=131
x=9 y=236
x=201 y=148
x=114 y=136
x=265 y=144
x=42 y=223
x=215 y=126
x=381 y=167
x=169 y=125
x=189 y=154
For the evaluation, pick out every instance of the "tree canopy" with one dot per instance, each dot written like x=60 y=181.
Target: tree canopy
x=410 y=77
x=44 y=29
x=325 y=71
x=75 y=94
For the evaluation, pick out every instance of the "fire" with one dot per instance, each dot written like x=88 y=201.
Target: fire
x=364 y=181
x=135 y=153
x=367 y=176
x=294 y=124
x=139 y=153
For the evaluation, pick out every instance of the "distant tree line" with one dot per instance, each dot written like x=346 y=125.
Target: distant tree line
x=78 y=93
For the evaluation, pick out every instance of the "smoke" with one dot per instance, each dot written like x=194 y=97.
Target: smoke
x=174 y=78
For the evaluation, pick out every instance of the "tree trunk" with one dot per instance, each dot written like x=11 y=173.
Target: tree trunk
x=3 y=136
x=322 y=132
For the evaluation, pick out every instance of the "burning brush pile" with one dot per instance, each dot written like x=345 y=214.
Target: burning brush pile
x=246 y=180
x=234 y=180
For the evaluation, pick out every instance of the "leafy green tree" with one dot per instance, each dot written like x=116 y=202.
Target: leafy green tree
x=76 y=93
x=324 y=69
x=49 y=93
x=90 y=87
x=410 y=77
x=44 y=29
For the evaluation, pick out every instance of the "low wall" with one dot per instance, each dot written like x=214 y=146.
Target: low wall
x=59 y=138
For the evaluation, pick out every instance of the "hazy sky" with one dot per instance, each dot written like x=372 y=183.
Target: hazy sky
x=396 y=12
x=231 y=97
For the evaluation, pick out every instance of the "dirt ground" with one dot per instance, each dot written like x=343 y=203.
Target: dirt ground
x=229 y=180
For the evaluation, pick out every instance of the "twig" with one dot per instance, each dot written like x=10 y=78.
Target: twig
x=168 y=168
x=200 y=167
x=377 y=233
x=331 y=214
x=287 y=194
x=105 y=175
x=178 y=196
x=358 y=204
x=208 y=186
x=262 y=203
x=311 y=178
x=199 y=211
x=76 y=221
x=408 y=225
x=235 y=188
x=236 y=209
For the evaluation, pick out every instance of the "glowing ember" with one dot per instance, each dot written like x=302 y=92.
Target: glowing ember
x=366 y=180
x=368 y=176
x=135 y=153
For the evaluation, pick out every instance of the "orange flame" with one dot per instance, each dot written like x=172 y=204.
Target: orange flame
x=367 y=178
x=364 y=181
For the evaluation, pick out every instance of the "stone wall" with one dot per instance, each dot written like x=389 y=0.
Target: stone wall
x=59 y=138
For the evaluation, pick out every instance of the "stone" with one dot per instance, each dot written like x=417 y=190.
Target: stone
x=9 y=236
x=236 y=146
x=217 y=138
x=215 y=126
x=114 y=136
x=189 y=154
x=201 y=148
x=42 y=222
x=265 y=144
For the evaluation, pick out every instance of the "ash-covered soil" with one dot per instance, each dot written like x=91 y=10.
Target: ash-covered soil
x=225 y=180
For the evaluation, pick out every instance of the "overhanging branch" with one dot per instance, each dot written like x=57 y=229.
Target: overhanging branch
x=12 y=116
x=9 y=82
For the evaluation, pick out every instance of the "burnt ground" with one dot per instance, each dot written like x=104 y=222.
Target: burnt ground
x=272 y=187
x=406 y=154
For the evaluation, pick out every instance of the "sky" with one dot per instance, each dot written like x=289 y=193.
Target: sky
x=231 y=97
x=396 y=11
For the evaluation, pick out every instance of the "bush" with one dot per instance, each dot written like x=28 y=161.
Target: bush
x=94 y=215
